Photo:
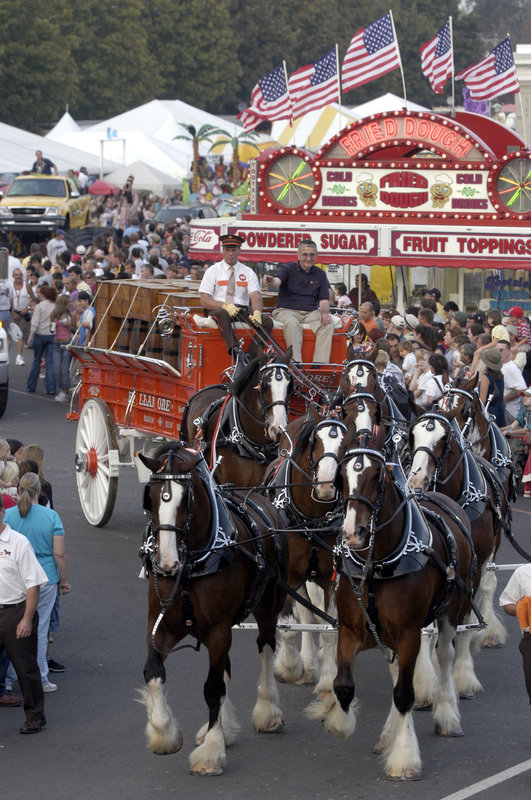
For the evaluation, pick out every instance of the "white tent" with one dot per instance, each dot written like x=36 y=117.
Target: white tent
x=66 y=124
x=147 y=178
x=386 y=102
x=146 y=133
x=313 y=129
x=18 y=147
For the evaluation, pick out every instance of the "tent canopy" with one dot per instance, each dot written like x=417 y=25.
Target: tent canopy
x=147 y=178
x=17 y=152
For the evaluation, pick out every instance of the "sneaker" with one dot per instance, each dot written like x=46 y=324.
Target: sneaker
x=61 y=397
x=55 y=666
x=49 y=687
x=19 y=361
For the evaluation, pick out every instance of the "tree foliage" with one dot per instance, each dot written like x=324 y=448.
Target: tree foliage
x=102 y=58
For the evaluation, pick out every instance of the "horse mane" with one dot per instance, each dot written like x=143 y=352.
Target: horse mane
x=186 y=458
x=243 y=376
x=303 y=438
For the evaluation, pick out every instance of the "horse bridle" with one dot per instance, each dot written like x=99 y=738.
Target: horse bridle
x=363 y=397
x=362 y=365
x=313 y=465
x=151 y=547
x=280 y=371
x=375 y=507
x=431 y=419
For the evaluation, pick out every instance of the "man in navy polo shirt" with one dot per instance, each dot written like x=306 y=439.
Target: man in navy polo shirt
x=303 y=298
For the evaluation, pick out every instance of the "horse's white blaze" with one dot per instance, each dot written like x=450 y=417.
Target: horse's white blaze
x=363 y=421
x=278 y=416
x=425 y=434
x=350 y=519
x=168 y=556
x=325 y=474
x=357 y=380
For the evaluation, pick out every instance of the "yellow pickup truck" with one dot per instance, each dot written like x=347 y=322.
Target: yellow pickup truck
x=43 y=202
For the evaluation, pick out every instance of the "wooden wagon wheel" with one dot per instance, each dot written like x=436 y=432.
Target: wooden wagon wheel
x=97 y=462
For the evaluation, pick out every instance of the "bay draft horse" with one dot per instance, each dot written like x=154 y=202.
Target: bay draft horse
x=240 y=423
x=301 y=484
x=442 y=463
x=402 y=564
x=212 y=559
x=461 y=402
x=373 y=410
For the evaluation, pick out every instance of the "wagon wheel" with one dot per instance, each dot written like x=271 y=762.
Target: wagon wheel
x=97 y=462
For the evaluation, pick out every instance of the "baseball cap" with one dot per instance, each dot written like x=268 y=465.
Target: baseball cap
x=435 y=292
x=81 y=249
x=516 y=311
x=59 y=232
x=460 y=317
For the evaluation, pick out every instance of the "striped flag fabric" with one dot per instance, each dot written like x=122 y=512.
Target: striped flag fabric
x=269 y=100
x=315 y=85
x=437 y=58
x=372 y=53
x=495 y=75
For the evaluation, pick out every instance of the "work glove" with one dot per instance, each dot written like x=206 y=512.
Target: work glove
x=256 y=317
x=231 y=309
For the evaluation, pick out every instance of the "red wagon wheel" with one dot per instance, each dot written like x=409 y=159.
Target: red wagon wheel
x=97 y=462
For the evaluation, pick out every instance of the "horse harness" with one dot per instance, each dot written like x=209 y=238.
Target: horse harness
x=411 y=554
x=220 y=551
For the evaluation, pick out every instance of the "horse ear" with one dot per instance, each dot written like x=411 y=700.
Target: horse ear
x=154 y=464
x=289 y=355
x=350 y=352
x=371 y=356
x=262 y=358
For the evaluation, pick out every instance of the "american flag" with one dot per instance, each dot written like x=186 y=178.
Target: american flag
x=315 y=85
x=269 y=100
x=437 y=58
x=372 y=52
x=495 y=75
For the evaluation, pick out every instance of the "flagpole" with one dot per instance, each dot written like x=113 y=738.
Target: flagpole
x=399 y=57
x=338 y=86
x=452 y=112
x=289 y=95
x=521 y=104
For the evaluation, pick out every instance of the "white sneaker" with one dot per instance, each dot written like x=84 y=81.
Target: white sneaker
x=19 y=361
x=49 y=687
x=61 y=397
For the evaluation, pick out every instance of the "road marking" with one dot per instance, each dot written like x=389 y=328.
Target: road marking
x=521 y=511
x=474 y=788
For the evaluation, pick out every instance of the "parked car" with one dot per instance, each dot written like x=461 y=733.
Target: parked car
x=43 y=202
x=169 y=214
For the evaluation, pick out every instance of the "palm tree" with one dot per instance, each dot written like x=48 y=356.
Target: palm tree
x=196 y=136
x=244 y=137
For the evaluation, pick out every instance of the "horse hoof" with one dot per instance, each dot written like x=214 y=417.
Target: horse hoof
x=424 y=705
x=308 y=679
x=407 y=775
x=274 y=726
x=492 y=643
x=467 y=696
x=455 y=733
x=380 y=747
x=208 y=771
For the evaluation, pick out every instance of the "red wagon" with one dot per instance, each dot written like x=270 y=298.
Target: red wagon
x=135 y=381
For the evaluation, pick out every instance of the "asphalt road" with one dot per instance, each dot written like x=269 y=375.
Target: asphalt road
x=93 y=745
